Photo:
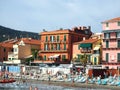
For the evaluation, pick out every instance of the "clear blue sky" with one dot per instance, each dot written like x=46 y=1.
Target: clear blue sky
x=36 y=15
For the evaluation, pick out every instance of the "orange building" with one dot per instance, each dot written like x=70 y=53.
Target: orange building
x=5 y=47
x=56 y=46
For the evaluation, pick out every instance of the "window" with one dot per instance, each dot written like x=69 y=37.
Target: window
x=78 y=56
x=118 y=45
x=107 y=24
x=118 y=57
x=64 y=37
x=44 y=57
x=107 y=44
x=46 y=38
x=58 y=46
x=58 y=38
x=64 y=46
x=107 y=35
x=118 y=34
x=107 y=57
x=15 y=49
x=79 y=47
x=63 y=57
x=52 y=38
x=119 y=23
x=51 y=46
x=45 y=47
x=4 y=49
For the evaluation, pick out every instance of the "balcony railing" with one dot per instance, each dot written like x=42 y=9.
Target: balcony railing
x=86 y=51
x=61 y=50
x=111 y=48
x=55 y=41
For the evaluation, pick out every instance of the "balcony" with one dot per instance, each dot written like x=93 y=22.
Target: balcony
x=61 y=50
x=111 y=48
x=86 y=51
x=55 y=41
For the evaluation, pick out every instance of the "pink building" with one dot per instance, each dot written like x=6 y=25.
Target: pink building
x=111 y=43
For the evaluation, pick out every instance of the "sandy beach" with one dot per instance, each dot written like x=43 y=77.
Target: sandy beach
x=76 y=85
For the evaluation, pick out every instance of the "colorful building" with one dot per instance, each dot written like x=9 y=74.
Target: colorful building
x=111 y=43
x=20 y=49
x=56 y=46
x=5 y=47
x=91 y=48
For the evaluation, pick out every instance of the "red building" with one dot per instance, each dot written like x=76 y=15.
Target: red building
x=56 y=46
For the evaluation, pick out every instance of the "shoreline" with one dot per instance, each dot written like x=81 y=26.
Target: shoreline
x=74 y=85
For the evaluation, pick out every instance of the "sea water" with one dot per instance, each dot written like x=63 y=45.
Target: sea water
x=41 y=87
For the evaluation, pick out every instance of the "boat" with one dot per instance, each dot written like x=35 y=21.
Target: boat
x=7 y=81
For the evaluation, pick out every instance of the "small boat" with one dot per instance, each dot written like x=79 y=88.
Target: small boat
x=7 y=81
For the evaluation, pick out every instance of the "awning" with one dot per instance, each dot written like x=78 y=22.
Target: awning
x=51 y=57
x=28 y=56
x=97 y=47
x=56 y=55
x=85 y=45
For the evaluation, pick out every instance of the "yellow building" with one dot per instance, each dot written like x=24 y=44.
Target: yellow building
x=89 y=47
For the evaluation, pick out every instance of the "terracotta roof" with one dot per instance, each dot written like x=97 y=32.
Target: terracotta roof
x=87 y=41
x=8 y=45
x=30 y=41
x=112 y=20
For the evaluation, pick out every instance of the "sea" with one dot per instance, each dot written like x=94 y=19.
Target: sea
x=41 y=87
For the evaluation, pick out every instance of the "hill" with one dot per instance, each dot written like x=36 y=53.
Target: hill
x=8 y=33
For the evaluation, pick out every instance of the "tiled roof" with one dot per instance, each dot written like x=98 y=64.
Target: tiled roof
x=31 y=41
x=87 y=41
x=113 y=20
x=8 y=45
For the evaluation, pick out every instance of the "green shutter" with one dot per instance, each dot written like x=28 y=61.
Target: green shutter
x=64 y=46
x=78 y=56
x=63 y=57
x=57 y=38
x=78 y=46
x=107 y=44
x=51 y=46
x=44 y=57
x=64 y=37
x=119 y=23
x=118 y=57
x=118 y=43
x=107 y=57
x=46 y=38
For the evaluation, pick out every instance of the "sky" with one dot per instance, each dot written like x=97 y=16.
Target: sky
x=36 y=15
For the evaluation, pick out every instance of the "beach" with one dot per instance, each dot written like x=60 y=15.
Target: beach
x=75 y=85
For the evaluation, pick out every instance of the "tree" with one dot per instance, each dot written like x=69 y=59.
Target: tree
x=83 y=59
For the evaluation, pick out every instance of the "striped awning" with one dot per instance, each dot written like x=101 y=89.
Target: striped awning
x=97 y=47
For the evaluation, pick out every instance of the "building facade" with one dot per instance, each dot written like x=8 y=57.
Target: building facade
x=21 y=49
x=5 y=47
x=111 y=43
x=56 y=46
x=91 y=48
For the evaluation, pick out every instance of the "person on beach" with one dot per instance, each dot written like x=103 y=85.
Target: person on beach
x=49 y=78
x=30 y=88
